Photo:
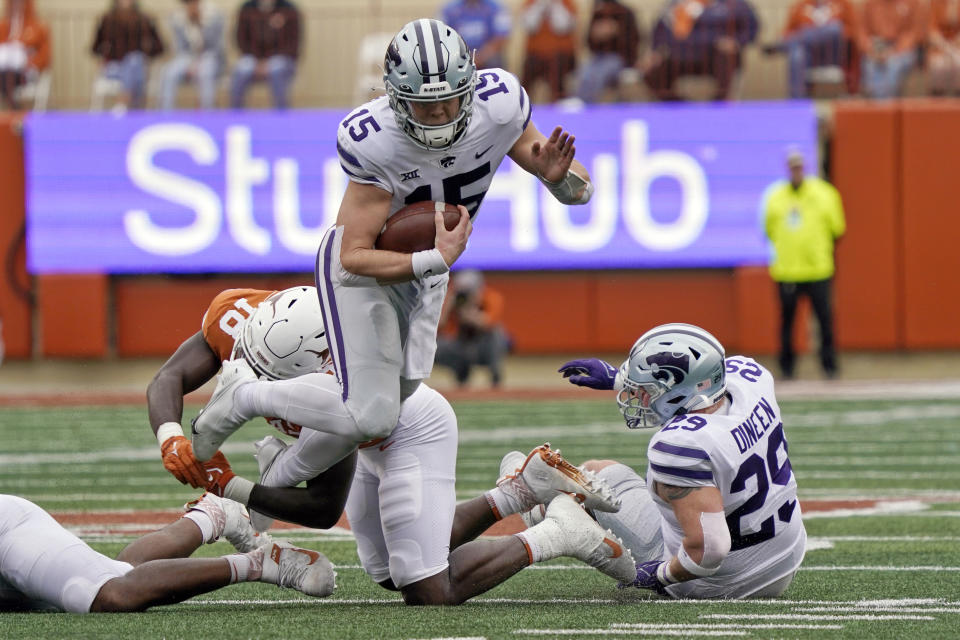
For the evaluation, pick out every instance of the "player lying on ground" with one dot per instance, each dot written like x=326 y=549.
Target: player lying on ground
x=280 y=335
x=44 y=566
x=439 y=134
x=718 y=515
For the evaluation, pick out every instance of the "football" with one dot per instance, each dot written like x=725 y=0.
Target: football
x=412 y=228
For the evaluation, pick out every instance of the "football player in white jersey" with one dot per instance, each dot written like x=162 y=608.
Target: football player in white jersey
x=45 y=567
x=718 y=483
x=439 y=134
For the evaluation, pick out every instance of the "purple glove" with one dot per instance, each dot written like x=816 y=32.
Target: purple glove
x=647 y=578
x=590 y=372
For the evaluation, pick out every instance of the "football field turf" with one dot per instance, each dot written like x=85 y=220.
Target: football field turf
x=879 y=485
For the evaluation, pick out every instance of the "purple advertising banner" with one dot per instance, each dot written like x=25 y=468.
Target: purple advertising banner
x=677 y=186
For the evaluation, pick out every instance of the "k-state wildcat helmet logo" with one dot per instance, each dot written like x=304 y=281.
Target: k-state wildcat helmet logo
x=670 y=364
x=447 y=161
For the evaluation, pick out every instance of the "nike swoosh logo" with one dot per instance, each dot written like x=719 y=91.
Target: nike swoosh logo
x=483 y=152
x=428 y=272
x=614 y=547
x=434 y=285
x=383 y=447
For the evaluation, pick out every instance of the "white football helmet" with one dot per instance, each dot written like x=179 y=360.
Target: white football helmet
x=285 y=337
x=427 y=61
x=672 y=369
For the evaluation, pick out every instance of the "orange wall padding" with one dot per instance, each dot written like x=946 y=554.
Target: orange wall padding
x=14 y=309
x=544 y=310
x=629 y=303
x=866 y=169
x=931 y=225
x=74 y=319
x=154 y=314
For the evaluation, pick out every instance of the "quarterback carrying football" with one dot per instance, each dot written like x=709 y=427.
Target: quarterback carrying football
x=439 y=134
x=718 y=515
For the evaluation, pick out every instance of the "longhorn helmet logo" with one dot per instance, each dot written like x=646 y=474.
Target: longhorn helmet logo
x=669 y=365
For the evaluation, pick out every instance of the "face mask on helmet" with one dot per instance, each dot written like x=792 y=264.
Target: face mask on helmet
x=672 y=369
x=285 y=337
x=428 y=62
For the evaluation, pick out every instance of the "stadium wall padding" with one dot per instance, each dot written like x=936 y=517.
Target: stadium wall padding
x=866 y=170
x=930 y=226
x=894 y=164
x=15 y=309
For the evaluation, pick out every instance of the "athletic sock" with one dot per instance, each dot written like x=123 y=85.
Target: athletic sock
x=543 y=542
x=204 y=522
x=246 y=567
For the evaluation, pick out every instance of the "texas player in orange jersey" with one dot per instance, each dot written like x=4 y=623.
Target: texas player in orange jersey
x=281 y=335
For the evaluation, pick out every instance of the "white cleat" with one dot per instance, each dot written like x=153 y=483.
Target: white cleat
x=238 y=530
x=544 y=474
x=267 y=451
x=218 y=420
x=579 y=536
x=307 y=571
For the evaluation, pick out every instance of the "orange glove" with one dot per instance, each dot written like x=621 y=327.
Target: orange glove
x=218 y=473
x=179 y=460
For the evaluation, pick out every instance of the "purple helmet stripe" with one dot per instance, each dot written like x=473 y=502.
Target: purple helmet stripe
x=422 y=48
x=682 y=473
x=330 y=305
x=441 y=67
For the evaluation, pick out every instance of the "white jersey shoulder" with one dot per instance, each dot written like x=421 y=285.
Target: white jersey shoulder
x=374 y=150
x=699 y=449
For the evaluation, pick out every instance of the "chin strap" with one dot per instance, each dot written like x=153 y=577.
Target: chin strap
x=565 y=191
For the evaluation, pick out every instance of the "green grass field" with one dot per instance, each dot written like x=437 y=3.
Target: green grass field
x=886 y=567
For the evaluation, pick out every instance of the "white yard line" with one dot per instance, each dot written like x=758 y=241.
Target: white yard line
x=809 y=617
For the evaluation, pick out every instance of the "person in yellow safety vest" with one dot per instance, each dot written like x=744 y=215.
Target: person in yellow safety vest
x=803 y=218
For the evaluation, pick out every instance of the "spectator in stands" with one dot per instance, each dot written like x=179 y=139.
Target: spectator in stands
x=943 y=52
x=125 y=40
x=551 y=44
x=613 y=39
x=198 y=41
x=470 y=330
x=268 y=36
x=889 y=36
x=697 y=38
x=817 y=34
x=24 y=48
x=803 y=218
x=484 y=26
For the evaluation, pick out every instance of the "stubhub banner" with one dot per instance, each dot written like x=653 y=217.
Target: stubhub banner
x=676 y=186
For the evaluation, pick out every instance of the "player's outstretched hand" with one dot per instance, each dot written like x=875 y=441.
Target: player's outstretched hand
x=218 y=474
x=452 y=243
x=646 y=577
x=552 y=159
x=178 y=459
x=590 y=372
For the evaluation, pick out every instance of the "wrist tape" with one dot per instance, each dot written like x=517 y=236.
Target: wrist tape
x=168 y=430
x=565 y=191
x=664 y=575
x=428 y=263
